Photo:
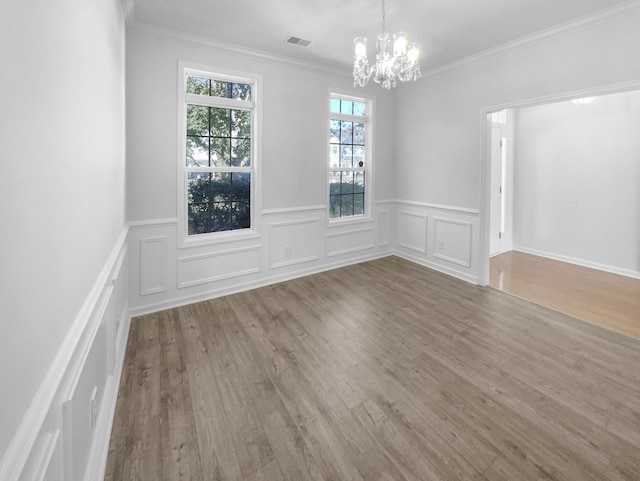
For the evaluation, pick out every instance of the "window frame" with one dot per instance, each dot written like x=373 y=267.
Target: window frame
x=254 y=106
x=368 y=168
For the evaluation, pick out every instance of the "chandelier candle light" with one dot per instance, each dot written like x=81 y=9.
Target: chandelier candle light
x=403 y=63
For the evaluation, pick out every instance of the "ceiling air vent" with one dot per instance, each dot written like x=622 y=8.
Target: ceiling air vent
x=298 y=41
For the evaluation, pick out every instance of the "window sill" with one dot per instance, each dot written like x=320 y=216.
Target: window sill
x=217 y=238
x=364 y=219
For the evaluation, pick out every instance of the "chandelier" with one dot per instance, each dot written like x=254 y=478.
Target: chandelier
x=403 y=63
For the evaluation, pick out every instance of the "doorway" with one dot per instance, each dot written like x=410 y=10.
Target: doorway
x=574 y=220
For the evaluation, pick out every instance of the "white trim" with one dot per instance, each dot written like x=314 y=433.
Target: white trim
x=225 y=48
x=49 y=458
x=580 y=262
x=291 y=210
x=425 y=217
x=544 y=35
x=294 y=222
x=379 y=214
x=438 y=267
x=447 y=258
x=244 y=286
x=162 y=240
x=183 y=260
x=450 y=208
x=141 y=224
x=20 y=447
x=293 y=262
x=345 y=234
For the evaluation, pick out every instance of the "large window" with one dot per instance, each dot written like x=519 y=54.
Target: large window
x=219 y=150
x=348 y=157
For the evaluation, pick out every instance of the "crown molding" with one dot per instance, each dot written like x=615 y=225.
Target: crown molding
x=566 y=28
x=218 y=46
x=560 y=30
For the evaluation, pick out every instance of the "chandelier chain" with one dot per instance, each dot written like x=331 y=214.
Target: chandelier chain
x=384 y=16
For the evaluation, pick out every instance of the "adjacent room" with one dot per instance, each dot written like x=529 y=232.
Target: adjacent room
x=565 y=224
x=256 y=240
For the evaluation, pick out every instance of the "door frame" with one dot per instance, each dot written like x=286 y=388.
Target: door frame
x=485 y=164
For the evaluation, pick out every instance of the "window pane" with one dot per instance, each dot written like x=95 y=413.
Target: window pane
x=358 y=156
x=240 y=153
x=346 y=205
x=334 y=155
x=218 y=88
x=220 y=152
x=240 y=186
x=358 y=204
x=346 y=155
x=197 y=151
x=334 y=105
x=219 y=202
x=334 y=130
x=334 y=206
x=220 y=122
x=346 y=185
x=240 y=123
x=197 y=120
x=358 y=108
x=346 y=107
x=241 y=92
x=346 y=132
x=358 y=186
x=358 y=134
x=198 y=85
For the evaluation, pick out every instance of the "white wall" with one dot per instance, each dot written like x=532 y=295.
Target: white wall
x=441 y=117
x=62 y=192
x=294 y=177
x=577 y=173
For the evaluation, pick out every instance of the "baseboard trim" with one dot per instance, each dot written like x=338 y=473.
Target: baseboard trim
x=472 y=279
x=580 y=262
x=245 y=286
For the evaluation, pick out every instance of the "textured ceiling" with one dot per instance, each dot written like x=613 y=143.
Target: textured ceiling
x=448 y=30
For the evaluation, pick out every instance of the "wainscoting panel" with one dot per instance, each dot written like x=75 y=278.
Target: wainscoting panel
x=216 y=266
x=153 y=251
x=65 y=434
x=453 y=241
x=384 y=228
x=294 y=242
x=412 y=231
x=347 y=242
x=440 y=237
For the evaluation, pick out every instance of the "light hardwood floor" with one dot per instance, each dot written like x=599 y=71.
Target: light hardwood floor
x=606 y=299
x=379 y=371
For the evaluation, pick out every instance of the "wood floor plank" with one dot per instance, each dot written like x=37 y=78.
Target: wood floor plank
x=379 y=371
x=218 y=458
x=609 y=300
x=180 y=453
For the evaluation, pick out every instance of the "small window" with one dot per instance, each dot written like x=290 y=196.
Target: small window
x=348 y=157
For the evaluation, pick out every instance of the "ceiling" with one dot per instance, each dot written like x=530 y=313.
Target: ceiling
x=447 y=30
